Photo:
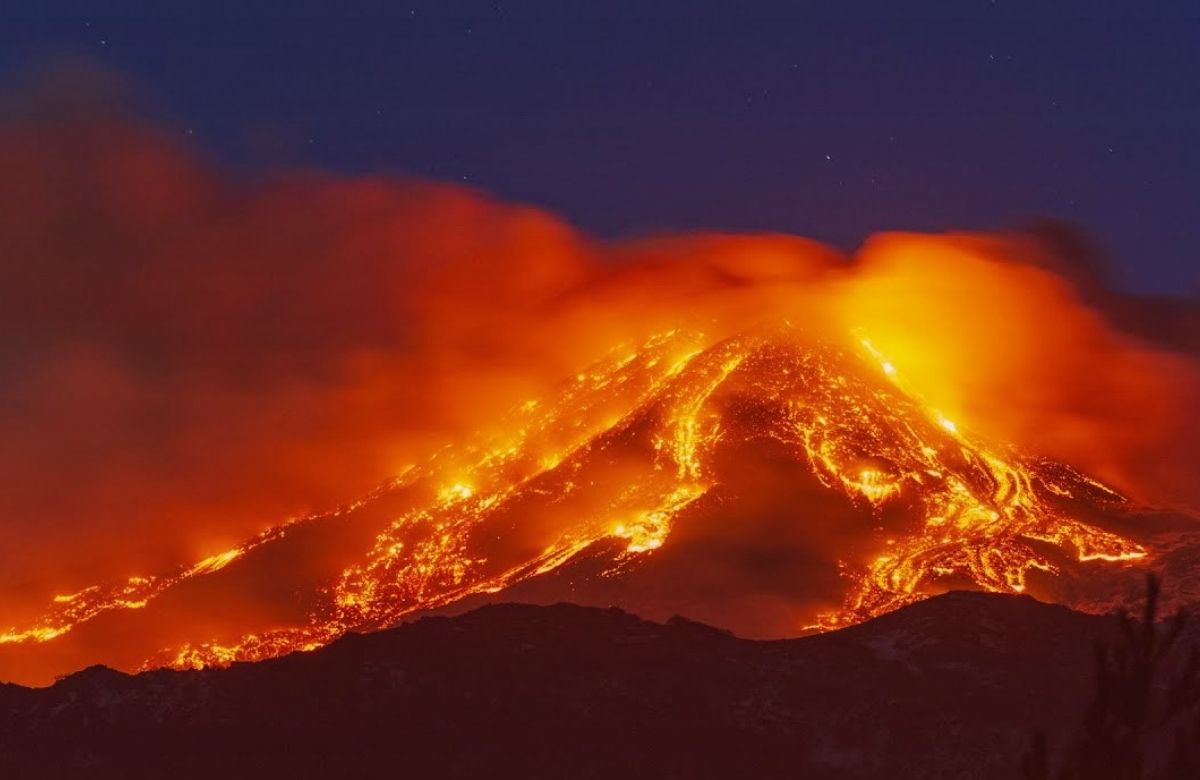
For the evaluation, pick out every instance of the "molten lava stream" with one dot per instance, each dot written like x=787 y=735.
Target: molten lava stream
x=628 y=448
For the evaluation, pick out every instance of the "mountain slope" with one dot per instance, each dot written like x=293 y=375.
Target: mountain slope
x=772 y=483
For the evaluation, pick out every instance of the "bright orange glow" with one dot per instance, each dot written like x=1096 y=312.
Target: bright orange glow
x=982 y=510
x=734 y=428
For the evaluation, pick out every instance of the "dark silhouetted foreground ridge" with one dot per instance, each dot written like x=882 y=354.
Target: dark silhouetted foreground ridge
x=947 y=688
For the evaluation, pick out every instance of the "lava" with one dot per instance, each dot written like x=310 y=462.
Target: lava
x=626 y=450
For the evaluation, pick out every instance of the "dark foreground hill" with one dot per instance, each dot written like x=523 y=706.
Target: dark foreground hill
x=947 y=688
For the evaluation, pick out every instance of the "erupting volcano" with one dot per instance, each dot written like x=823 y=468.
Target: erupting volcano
x=635 y=484
x=753 y=431
x=461 y=391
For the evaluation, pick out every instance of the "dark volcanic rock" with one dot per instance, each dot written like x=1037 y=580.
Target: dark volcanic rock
x=947 y=688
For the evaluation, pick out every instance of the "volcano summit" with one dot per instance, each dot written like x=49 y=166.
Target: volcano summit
x=773 y=483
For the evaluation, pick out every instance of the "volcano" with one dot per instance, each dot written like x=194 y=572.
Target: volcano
x=775 y=483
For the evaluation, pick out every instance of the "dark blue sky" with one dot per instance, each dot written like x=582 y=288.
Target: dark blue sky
x=649 y=116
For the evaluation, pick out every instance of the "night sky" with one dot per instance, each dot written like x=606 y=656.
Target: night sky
x=646 y=116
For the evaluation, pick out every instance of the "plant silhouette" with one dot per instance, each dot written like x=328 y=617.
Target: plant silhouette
x=1143 y=722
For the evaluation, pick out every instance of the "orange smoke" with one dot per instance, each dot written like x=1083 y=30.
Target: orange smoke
x=993 y=339
x=189 y=360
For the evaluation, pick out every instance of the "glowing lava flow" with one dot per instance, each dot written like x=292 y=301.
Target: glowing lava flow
x=626 y=451
x=982 y=512
x=426 y=558
x=135 y=593
x=74 y=609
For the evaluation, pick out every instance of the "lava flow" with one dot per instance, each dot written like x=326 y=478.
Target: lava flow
x=639 y=446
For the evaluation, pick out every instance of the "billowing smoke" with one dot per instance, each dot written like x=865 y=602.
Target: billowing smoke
x=994 y=337
x=189 y=358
